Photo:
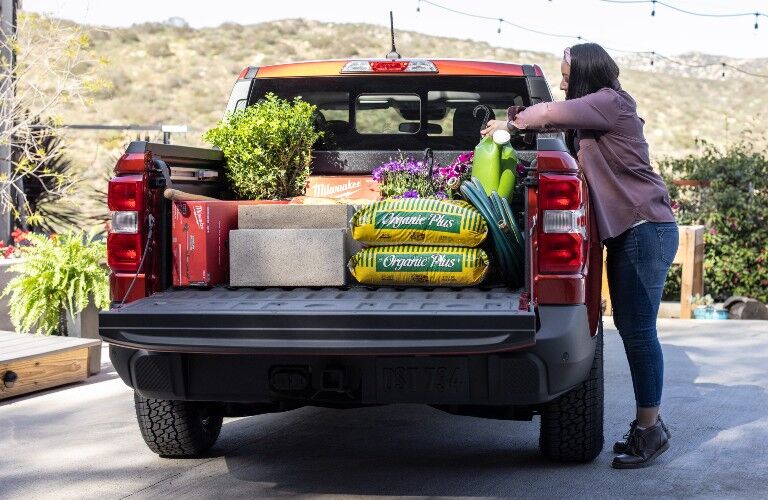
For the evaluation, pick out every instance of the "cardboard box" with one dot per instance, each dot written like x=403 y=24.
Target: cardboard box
x=200 y=240
x=357 y=187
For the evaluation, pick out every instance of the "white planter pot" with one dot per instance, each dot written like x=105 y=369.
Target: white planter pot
x=86 y=325
x=5 y=277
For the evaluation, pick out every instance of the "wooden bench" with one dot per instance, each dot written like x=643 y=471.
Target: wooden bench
x=38 y=362
x=690 y=254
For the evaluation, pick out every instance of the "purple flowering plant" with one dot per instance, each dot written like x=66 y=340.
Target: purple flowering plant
x=408 y=178
x=448 y=179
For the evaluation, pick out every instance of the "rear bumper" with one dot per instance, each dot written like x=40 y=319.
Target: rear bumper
x=500 y=370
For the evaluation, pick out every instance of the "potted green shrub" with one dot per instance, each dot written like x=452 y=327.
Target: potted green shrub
x=268 y=147
x=58 y=278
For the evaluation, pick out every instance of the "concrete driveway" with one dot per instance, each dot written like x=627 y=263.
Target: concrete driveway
x=82 y=441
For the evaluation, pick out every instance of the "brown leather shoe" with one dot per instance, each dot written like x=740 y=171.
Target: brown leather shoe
x=643 y=445
x=621 y=446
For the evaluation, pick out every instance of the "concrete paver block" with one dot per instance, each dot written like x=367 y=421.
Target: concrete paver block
x=290 y=257
x=294 y=216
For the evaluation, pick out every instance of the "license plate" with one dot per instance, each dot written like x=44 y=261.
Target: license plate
x=422 y=380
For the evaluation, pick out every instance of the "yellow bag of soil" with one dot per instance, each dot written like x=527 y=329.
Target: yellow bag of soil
x=419 y=221
x=415 y=265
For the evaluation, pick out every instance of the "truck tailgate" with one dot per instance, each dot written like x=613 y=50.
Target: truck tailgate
x=323 y=321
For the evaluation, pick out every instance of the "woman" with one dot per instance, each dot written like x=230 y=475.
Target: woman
x=634 y=218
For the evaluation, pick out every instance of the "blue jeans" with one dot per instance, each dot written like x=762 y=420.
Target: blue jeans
x=637 y=262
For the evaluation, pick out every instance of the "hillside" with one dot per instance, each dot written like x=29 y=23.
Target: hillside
x=170 y=73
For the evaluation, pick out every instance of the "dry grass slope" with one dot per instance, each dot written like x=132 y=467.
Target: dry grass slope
x=166 y=74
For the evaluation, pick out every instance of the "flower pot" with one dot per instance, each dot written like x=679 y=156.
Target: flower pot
x=720 y=314
x=86 y=325
x=709 y=312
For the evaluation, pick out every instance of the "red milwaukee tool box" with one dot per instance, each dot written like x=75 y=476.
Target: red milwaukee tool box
x=200 y=240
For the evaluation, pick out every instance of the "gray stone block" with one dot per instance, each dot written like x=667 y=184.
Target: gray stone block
x=289 y=257
x=294 y=216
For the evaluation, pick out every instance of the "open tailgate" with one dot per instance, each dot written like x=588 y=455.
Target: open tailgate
x=323 y=321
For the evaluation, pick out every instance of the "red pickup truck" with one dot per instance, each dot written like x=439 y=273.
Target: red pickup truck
x=194 y=356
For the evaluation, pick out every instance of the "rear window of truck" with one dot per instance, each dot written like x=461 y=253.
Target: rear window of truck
x=397 y=112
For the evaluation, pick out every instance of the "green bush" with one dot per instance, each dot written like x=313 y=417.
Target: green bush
x=58 y=274
x=734 y=209
x=159 y=48
x=268 y=147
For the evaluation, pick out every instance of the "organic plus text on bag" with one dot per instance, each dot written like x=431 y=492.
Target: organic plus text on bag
x=415 y=265
x=420 y=221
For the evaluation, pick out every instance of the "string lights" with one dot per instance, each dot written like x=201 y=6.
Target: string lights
x=757 y=15
x=653 y=55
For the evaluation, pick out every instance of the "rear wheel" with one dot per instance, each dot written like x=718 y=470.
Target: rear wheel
x=176 y=428
x=572 y=425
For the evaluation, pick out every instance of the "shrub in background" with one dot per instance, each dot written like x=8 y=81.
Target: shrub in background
x=46 y=179
x=268 y=147
x=734 y=209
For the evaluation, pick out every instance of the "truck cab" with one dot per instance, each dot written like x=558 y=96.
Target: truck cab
x=196 y=355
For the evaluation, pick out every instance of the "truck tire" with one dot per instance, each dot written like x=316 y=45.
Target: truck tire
x=572 y=425
x=176 y=428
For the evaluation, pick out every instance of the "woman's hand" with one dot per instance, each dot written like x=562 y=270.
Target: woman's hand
x=493 y=126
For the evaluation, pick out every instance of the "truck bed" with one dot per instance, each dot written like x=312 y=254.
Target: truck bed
x=324 y=321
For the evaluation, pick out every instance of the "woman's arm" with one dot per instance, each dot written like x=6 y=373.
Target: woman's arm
x=597 y=111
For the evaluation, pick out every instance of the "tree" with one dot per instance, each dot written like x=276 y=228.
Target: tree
x=53 y=69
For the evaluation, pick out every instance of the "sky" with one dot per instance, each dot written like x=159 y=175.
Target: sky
x=628 y=27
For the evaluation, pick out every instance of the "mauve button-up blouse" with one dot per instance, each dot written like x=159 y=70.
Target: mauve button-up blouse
x=612 y=153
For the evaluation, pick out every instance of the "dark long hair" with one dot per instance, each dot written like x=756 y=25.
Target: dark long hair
x=592 y=69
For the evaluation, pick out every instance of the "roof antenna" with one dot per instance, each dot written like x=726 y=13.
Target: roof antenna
x=393 y=53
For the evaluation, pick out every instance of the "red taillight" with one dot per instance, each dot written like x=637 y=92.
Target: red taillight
x=126 y=200
x=123 y=252
x=559 y=192
x=561 y=253
x=562 y=224
x=388 y=66
x=120 y=287
x=556 y=161
x=126 y=193
x=131 y=163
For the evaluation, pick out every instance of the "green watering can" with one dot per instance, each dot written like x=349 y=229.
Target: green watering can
x=495 y=164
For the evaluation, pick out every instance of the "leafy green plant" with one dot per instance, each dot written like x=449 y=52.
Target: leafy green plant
x=46 y=174
x=268 y=147
x=698 y=300
x=732 y=202
x=59 y=274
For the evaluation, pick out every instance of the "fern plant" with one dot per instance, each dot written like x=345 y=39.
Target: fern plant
x=59 y=275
